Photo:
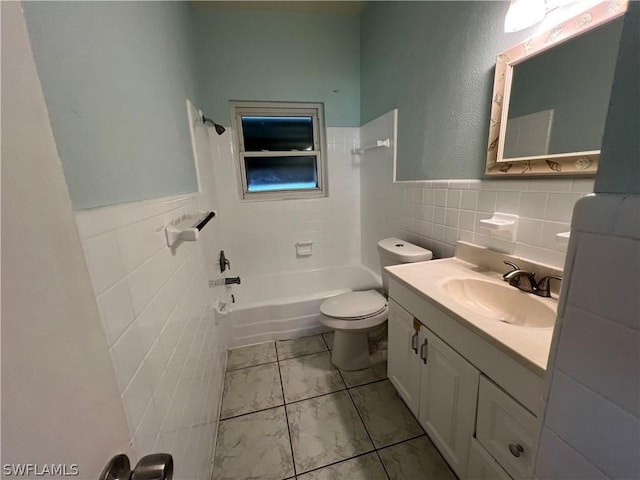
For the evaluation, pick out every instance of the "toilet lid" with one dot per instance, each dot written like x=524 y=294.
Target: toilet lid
x=354 y=304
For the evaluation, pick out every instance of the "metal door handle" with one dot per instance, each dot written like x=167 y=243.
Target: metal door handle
x=423 y=351
x=157 y=466
x=414 y=342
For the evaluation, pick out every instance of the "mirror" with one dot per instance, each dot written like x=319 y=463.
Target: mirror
x=551 y=96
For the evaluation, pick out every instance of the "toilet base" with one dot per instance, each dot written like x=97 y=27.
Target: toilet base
x=351 y=351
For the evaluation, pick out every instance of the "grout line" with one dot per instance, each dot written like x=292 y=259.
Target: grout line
x=286 y=415
x=301 y=400
x=384 y=467
x=365 y=428
x=367 y=383
x=250 y=413
x=339 y=461
x=303 y=355
x=251 y=366
x=403 y=441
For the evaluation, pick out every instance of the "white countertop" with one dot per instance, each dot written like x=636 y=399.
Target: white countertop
x=527 y=345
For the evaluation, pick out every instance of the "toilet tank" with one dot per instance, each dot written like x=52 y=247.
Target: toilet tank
x=393 y=251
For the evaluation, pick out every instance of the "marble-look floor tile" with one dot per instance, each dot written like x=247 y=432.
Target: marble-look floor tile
x=417 y=458
x=360 y=377
x=309 y=376
x=365 y=467
x=387 y=419
x=254 y=446
x=326 y=430
x=297 y=347
x=328 y=338
x=251 y=389
x=251 y=356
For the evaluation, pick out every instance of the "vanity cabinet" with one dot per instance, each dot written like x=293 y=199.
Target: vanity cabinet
x=403 y=363
x=474 y=400
x=439 y=385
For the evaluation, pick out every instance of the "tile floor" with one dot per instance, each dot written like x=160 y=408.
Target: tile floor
x=288 y=413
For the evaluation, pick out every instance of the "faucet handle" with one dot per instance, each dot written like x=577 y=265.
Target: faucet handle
x=512 y=265
x=544 y=285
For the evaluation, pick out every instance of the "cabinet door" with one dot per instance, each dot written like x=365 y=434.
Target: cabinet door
x=403 y=364
x=448 y=396
x=483 y=466
x=506 y=429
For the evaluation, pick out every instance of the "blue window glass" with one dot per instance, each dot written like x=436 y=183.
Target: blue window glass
x=281 y=173
x=283 y=134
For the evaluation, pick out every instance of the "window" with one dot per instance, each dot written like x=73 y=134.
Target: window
x=280 y=149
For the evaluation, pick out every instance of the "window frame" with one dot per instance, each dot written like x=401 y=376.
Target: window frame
x=280 y=109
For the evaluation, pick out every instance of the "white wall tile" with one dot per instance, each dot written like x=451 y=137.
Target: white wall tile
x=440 y=197
x=148 y=297
x=508 y=202
x=595 y=362
x=116 y=310
x=549 y=232
x=560 y=206
x=592 y=348
x=559 y=460
x=605 y=278
x=487 y=201
x=467 y=220
x=610 y=438
x=453 y=198
x=469 y=200
x=136 y=397
x=582 y=185
x=533 y=204
x=126 y=355
x=104 y=261
x=529 y=231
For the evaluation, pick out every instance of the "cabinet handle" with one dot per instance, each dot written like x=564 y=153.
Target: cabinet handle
x=414 y=343
x=515 y=449
x=423 y=351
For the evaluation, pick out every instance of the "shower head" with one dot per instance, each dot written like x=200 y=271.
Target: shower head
x=219 y=128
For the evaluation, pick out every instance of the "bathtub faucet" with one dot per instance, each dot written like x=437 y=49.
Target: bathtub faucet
x=232 y=280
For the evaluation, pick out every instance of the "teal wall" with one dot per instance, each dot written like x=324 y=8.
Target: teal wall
x=281 y=56
x=434 y=61
x=619 y=168
x=115 y=76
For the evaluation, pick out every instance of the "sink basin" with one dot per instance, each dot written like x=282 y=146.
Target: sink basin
x=499 y=302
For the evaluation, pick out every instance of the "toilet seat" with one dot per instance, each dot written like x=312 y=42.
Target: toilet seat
x=355 y=311
x=354 y=305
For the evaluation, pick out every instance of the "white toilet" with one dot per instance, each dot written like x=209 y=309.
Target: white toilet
x=353 y=315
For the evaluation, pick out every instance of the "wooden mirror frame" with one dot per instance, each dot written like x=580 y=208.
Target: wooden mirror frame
x=581 y=163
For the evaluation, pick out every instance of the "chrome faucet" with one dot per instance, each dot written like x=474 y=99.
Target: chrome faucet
x=541 y=288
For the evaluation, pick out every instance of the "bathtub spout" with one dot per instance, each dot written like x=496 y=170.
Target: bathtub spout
x=232 y=280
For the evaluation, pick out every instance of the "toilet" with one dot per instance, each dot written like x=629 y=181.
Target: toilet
x=354 y=315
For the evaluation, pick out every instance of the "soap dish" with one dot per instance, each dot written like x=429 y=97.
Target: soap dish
x=503 y=224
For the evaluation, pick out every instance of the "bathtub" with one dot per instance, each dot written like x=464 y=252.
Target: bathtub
x=287 y=305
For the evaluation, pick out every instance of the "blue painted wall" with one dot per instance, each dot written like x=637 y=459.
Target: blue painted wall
x=434 y=61
x=245 y=55
x=115 y=76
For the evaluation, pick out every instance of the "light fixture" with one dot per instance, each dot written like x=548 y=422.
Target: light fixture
x=219 y=128
x=523 y=14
